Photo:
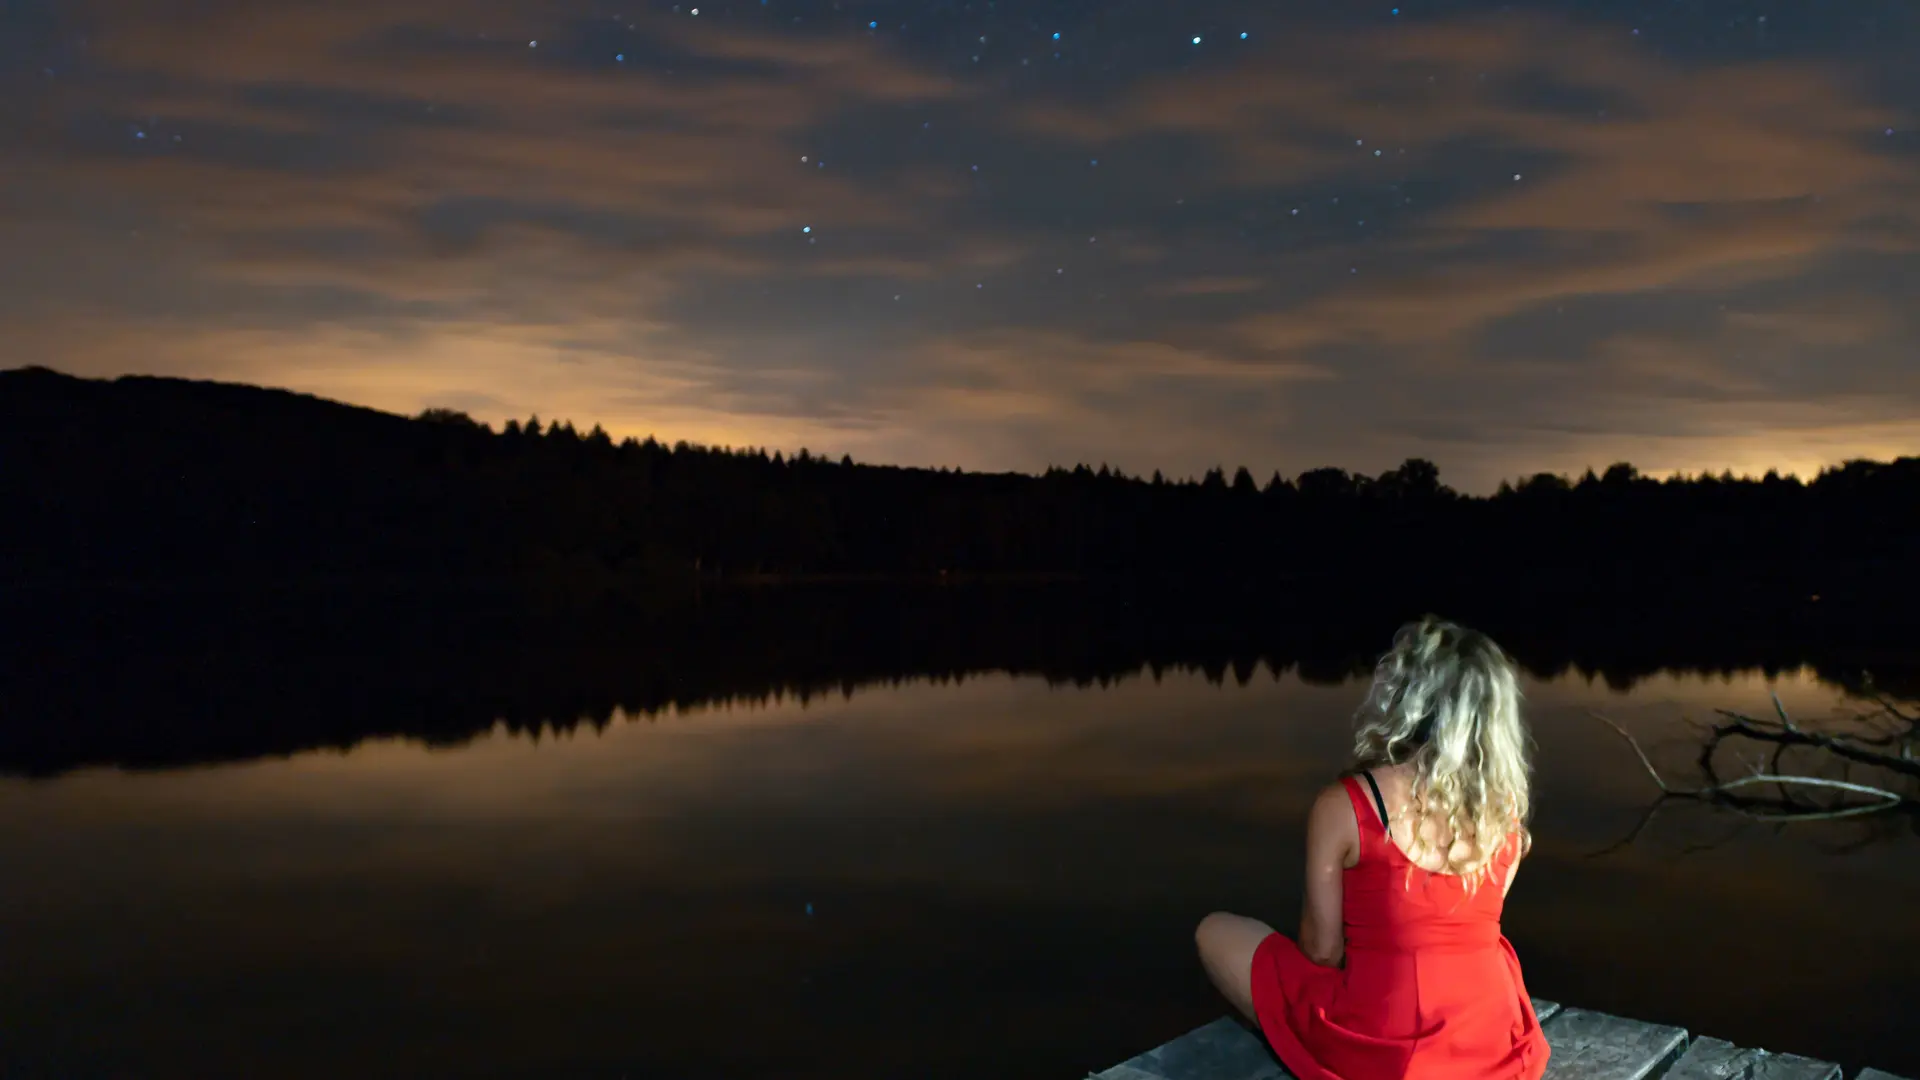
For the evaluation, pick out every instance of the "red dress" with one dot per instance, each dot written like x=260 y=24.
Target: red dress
x=1431 y=989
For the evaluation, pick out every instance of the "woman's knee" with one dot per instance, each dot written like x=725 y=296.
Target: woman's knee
x=1227 y=944
x=1208 y=929
x=1224 y=931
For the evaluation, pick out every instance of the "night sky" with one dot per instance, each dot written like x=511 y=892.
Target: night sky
x=1508 y=238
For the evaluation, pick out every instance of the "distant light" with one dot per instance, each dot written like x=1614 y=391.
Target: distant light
x=1056 y=35
x=696 y=11
x=806 y=228
x=1396 y=11
x=1243 y=35
x=533 y=44
x=1516 y=176
x=619 y=58
x=1196 y=39
x=873 y=25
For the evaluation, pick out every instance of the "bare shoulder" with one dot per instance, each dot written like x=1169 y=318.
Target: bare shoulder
x=1332 y=802
x=1331 y=820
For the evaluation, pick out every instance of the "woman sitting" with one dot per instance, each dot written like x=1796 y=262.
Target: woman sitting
x=1401 y=970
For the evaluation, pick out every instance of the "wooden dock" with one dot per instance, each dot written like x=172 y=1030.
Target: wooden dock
x=1586 y=1046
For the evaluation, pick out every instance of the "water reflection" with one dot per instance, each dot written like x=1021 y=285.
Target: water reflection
x=164 y=681
x=1002 y=874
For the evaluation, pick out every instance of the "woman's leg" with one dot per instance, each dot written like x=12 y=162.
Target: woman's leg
x=1226 y=946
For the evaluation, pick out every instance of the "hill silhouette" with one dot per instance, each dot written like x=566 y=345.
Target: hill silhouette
x=143 y=480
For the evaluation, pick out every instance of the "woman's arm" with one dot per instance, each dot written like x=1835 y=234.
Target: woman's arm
x=1333 y=845
x=1525 y=843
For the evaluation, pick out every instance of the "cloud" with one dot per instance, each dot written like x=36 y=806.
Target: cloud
x=1320 y=255
x=1211 y=286
x=1613 y=172
x=398 y=118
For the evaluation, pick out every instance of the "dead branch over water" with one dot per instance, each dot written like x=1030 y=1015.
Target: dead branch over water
x=1881 y=740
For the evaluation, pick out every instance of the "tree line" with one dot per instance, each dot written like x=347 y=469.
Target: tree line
x=151 y=479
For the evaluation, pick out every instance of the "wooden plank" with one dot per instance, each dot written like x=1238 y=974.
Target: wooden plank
x=1544 y=1010
x=1589 y=1045
x=1717 y=1059
x=1222 y=1050
x=1794 y=1067
x=1875 y=1074
x=1124 y=1072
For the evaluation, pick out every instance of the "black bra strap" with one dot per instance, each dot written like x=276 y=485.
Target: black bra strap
x=1377 y=800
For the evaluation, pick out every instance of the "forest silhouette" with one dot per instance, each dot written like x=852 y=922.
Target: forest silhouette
x=205 y=572
x=154 y=480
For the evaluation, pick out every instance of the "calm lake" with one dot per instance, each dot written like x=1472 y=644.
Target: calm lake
x=990 y=876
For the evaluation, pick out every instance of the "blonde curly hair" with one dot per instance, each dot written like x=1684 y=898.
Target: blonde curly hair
x=1447 y=700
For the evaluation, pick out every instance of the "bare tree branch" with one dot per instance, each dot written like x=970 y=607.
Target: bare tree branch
x=1747 y=727
x=1882 y=740
x=1723 y=791
x=1635 y=744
